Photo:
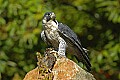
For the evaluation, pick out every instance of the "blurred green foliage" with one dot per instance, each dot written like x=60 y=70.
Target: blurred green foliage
x=96 y=22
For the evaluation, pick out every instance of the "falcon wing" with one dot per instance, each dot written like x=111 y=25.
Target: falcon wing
x=66 y=32
x=44 y=38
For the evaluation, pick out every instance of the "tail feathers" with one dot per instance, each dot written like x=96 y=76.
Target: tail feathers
x=88 y=66
x=84 y=61
x=83 y=57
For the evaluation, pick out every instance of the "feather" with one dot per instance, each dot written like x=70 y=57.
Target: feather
x=66 y=32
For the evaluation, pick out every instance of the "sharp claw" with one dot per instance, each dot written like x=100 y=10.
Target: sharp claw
x=61 y=54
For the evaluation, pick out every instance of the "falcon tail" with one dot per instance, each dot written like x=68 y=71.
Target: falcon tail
x=84 y=57
x=85 y=61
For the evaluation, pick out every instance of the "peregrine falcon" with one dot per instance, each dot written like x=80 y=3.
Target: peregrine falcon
x=60 y=36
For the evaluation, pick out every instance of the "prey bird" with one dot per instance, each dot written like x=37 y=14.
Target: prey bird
x=60 y=36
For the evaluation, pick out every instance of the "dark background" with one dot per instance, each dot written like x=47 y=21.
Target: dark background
x=96 y=22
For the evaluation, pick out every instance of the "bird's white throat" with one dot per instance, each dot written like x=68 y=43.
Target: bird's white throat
x=51 y=25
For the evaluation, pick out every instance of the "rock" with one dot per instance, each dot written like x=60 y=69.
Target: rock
x=62 y=69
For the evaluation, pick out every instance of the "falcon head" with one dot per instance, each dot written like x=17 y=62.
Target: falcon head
x=48 y=16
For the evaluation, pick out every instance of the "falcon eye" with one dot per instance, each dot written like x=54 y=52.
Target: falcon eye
x=49 y=14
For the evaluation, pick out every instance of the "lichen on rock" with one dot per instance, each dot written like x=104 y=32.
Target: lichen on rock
x=52 y=67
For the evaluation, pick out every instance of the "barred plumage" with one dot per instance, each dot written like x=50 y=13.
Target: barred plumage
x=62 y=37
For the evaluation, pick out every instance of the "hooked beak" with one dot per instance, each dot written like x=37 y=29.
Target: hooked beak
x=53 y=16
x=46 y=18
